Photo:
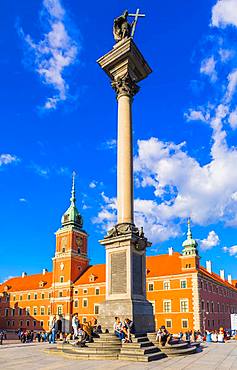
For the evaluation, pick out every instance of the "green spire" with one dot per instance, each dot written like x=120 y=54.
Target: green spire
x=72 y=216
x=190 y=244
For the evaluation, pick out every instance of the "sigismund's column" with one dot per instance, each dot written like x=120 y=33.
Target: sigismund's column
x=125 y=244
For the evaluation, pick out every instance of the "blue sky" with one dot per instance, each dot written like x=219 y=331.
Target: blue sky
x=58 y=114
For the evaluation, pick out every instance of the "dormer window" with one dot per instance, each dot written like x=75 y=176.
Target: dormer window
x=92 y=278
x=42 y=284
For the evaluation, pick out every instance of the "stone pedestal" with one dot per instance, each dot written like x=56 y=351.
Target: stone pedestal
x=125 y=244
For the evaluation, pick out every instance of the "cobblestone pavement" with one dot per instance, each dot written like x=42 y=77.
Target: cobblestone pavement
x=32 y=356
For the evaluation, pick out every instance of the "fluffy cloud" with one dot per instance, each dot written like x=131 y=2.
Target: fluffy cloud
x=211 y=241
x=224 y=13
x=208 y=68
x=54 y=53
x=93 y=184
x=231 y=250
x=7 y=159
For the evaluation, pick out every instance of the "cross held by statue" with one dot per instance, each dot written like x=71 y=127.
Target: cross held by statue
x=136 y=16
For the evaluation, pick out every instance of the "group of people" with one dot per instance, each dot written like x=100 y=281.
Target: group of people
x=83 y=333
x=123 y=330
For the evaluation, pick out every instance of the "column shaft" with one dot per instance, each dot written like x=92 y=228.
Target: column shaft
x=125 y=160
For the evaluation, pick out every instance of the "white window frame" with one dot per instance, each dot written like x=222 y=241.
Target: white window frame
x=98 y=306
x=167 y=301
x=60 y=307
x=186 y=300
x=183 y=280
x=166 y=282
x=27 y=311
x=182 y=321
x=85 y=300
x=61 y=279
x=97 y=289
x=150 y=283
x=85 y=291
x=76 y=301
x=168 y=327
x=42 y=308
x=35 y=309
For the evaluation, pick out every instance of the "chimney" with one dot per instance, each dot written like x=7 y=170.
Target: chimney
x=229 y=279
x=222 y=274
x=24 y=274
x=208 y=266
x=44 y=271
x=171 y=250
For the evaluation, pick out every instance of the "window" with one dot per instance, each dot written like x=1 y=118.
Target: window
x=168 y=323
x=85 y=302
x=60 y=294
x=84 y=320
x=19 y=311
x=61 y=279
x=14 y=298
x=96 y=309
x=49 y=295
x=150 y=287
x=42 y=296
x=13 y=323
x=27 y=311
x=49 y=310
x=76 y=303
x=27 y=323
x=212 y=307
x=79 y=250
x=7 y=298
x=8 y=323
x=85 y=291
x=76 y=292
x=6 y=311
x=28 y=297
x=183 y=284
x=60 y=310
x=218 y=307
x=42 y=310
x=21 y=323
x=13 y=311
x=35 y=311
x=167 y=306
x=63 y=249
x=208 y=307
x=201 y=285
x=203 y=306
x=20 y=298
x=166 y=285
x=97 y=291
x=34 y=323
x=35 y=295
x=41 y=323
x=183 y=305
x=184 y=323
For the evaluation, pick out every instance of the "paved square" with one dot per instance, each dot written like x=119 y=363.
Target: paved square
x=32 y=356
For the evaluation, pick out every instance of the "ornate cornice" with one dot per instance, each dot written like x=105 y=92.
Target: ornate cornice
x=125 y=86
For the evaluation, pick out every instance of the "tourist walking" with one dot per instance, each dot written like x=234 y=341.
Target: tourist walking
x=1 y=336
x=75 y=325
x=53 y=330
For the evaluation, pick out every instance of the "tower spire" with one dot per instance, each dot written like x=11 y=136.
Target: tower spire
x=73 y=192
x=72 y=216
x=190 y=244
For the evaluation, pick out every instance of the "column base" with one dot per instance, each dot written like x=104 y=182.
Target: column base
x=139 y=311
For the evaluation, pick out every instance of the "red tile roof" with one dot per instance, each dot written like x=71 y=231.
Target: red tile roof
x=31 y=282
x=98 y=271
x=216 y=277
x=163 y=264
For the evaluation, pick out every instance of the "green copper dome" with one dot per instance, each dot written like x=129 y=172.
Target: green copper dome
x=190 y=244
x=72 y=216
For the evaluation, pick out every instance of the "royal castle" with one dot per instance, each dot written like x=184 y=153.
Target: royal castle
x=184 y=294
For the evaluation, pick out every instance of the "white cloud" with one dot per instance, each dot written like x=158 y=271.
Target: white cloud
x=211 y=241
x=54 y=53
x=224 y=13
x=231 y=250
x=109 y=144
x=233 y=119
x=93 y=184
x=23 y=200
x=7 y=159
x=208 y=68
x=196 y=115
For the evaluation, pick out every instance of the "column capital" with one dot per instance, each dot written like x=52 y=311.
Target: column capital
x=125 y=86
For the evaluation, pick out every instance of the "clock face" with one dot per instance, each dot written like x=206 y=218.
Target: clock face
x=64 y=242
x=79 y=241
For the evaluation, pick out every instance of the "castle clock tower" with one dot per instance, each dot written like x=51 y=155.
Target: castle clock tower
x=69 y=262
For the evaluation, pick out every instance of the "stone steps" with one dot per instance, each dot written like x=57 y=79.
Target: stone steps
x=142 y=358
x=137 y=345
x=179 y=352
x=143 y=350
x=98 y=350
x=89 y=356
